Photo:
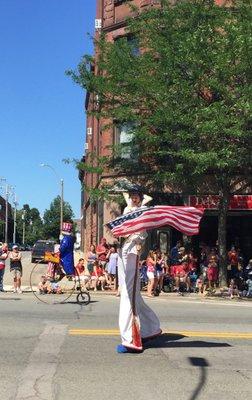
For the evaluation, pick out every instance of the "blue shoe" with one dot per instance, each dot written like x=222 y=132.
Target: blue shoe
x=123 y=349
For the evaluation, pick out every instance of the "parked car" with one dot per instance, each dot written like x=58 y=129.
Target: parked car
x=39 y=249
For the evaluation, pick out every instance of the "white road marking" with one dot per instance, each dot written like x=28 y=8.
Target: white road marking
x=36 y=381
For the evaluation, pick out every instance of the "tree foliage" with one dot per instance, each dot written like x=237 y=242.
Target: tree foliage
x=29 y=221
x=51 y=227
x=187 y=93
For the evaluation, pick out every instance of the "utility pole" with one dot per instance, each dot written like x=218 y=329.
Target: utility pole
x=23 y=219
x=61 y=204
x=4 y=180
x=61 y=193
x=7 y=193
x=15 y=218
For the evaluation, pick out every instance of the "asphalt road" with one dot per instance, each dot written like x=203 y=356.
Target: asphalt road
x=67 y=352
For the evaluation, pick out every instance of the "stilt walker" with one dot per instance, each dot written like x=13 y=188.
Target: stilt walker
x=137 y=322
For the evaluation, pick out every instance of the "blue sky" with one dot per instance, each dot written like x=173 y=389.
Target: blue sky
x=42 y=116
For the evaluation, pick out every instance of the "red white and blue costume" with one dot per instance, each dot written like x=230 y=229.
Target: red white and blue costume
x=137 y=322
x=67 y=249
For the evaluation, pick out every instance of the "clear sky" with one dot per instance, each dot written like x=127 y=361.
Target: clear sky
x=42 y=116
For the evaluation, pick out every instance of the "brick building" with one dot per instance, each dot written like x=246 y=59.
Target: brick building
x=110 y=19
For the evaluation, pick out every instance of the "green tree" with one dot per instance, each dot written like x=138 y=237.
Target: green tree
x=51 y=218
x=186 y=94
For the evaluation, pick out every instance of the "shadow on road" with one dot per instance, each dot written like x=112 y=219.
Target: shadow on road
x=201 y=363
x=75 y=302
x=172 y=340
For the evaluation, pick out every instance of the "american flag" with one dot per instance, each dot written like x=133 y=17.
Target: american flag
x=185 y=219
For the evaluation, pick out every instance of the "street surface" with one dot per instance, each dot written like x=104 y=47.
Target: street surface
x=67 y=351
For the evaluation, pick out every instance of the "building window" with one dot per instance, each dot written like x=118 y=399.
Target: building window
x=123 y=139
x=133 y=44
x=118 y=2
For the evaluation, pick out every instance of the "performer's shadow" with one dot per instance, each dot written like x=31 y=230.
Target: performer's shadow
x=174 y=340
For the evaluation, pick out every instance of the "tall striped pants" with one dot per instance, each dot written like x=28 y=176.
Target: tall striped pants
x=136 y=320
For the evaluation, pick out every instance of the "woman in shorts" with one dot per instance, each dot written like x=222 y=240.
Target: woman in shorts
x=91 y=258
x=16 y=268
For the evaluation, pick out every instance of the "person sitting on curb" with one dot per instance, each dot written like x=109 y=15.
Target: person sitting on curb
x=98 y=277
x=83 y=274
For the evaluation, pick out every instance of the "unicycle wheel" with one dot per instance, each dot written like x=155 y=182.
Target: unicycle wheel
x=83 y=298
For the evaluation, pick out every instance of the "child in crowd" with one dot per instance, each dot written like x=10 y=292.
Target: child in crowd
x=192 y=275
x=200 y=284
x=44 y=285
x=55 y=288
x=212 y=274
x=47 y=287
x=233 y=289
x=112 y=258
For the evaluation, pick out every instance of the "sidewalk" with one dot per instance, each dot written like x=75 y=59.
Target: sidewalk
x=217 y=297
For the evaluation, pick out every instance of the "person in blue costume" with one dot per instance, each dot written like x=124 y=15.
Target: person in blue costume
x=67 y=249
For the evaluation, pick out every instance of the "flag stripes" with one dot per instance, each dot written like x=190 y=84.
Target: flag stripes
x=184 y=219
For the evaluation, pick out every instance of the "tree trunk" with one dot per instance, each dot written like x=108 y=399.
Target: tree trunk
x=222 y=232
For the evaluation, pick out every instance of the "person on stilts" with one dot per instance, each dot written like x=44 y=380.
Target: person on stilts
x=137 y=322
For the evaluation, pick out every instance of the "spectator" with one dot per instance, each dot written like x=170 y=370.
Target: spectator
x=233 y=289
x=160 y=270
x=16 y=268
x=3 y=257
x=192 y=261
x=44 y=286
x=249 y=285
x=143 y=275
x=247 y=270
x=82 y=274
x=212 y=273
x=200 y=284
x=181 y=277
x=213 y=255
x=232 y=268
x=98 y=276
x=112 y=257
x=183 y=257
x=192 y=275
x=91 y=258
x=174 y=256
x=151 y=273
x=102 y=251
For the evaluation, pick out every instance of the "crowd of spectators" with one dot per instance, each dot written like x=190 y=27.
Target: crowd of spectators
x=179 y=271
x=182 y=271
x=98 y=270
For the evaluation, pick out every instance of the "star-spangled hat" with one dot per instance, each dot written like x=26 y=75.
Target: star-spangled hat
x=67 y=227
